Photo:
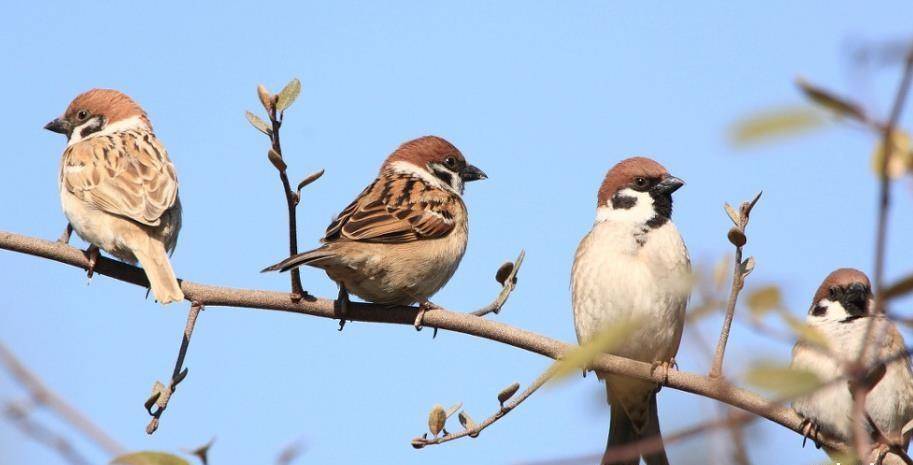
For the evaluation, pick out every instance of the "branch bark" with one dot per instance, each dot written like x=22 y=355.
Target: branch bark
x=215 y=296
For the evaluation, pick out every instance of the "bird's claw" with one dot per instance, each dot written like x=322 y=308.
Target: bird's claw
x=65 y=237
x=92 y=256
x=423 y=307
x=810 y=430
x=343 y=308
x=664 y=366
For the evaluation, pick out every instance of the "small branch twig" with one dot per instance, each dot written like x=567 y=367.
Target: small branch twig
x=275 y=106
x=507 y=276
x=19 y=416
x=160 y=394
x=740 y=270
x=471 y=429
x=43 y=396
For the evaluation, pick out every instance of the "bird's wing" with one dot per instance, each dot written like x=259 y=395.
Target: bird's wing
x=397 y=209
x=126 y=174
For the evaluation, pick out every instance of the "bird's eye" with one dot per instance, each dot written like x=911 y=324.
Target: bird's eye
x=819 y=310
x=450 y=162
x=82 y=115
x=640 y=182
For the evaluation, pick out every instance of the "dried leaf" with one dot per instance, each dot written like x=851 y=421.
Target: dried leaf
x=831 y=101
x=733 y=215
x=774 y=123
x=901 y=161
x=276 y=160
x=782 y=380
x=763 y=300
x=313 y=177
x=736 y=237
x=149 y=458
x=453 y=409
x=436 y=419
x=265 y=98
x=258 y=123
x=202 y=452
x=580 y=357
x=468 y=424
x=747 y=266
x=508 y=392
x=288 y=95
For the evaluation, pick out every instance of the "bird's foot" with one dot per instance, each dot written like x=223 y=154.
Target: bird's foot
x=342 y=306
x=810 y=430
x=423 y=307
x=92 y=255
x=65 y=237
x=665 y=367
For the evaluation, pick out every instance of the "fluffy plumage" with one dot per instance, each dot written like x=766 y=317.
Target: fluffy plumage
x=403 y=237
x=841 y=310
x=633 y=265
x=118 y=188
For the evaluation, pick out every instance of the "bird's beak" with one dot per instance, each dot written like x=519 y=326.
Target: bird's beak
x=668 y=185
x=61 y=126
x=471 y=173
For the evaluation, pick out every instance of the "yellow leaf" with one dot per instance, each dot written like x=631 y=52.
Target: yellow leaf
x=782 y=380
x=580 y=357
x=774 y=123
x=288 y=95
x=763 y=300
x=901 y=157
x=149 y=458
x=805 y=332
x=436 y=419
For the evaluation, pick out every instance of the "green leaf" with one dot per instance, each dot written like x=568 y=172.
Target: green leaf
x=258 y=123
x=288 y=95
x=901 y=161
x=782 y=380
x=763 y=300
x=831 y=101
x=580 y=357
x=149 y=458
x=774 y=123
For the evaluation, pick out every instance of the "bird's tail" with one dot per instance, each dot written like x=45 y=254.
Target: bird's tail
x=313 y=258
x=154 y=259
x=623 y=431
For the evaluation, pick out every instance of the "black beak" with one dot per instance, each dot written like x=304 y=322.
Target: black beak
x=668 y=185
x=59 y=126
x=471 y=173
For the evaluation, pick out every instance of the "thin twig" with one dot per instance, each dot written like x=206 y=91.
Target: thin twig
x=714 y=388
x=42 y=395
x=19 y=416
x=474 y=431
x=508 y=282
x=162 y=395
x=739 y=271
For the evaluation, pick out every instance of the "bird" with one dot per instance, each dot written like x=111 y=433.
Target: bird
x=841 y=310
x=118 y=188
x=403 y=237
x=633 y=267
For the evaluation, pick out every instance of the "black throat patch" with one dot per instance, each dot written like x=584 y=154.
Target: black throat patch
x=662 y=206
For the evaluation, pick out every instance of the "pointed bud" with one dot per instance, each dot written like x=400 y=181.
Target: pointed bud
x=436 y=419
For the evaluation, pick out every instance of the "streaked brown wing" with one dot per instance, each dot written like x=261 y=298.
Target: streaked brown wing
x=126 y=174
x=395 y=210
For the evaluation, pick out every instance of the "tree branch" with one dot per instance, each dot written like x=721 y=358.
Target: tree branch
x=714 y=388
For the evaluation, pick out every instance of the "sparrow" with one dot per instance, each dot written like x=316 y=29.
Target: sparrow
x=118 y=188
x=402 y=238
x=633 y=267
x=840 y=311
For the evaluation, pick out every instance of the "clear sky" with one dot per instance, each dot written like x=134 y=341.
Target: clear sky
x=544 y=96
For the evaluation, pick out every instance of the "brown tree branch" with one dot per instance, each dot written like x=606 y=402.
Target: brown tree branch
x=214 y=296
x=19 y=417
x=42 y=395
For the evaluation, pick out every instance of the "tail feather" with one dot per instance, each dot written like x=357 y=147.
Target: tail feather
x=312 y=258
x=624 y=431
x=154 y=259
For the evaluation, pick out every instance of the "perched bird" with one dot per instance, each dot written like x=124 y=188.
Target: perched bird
x=840 y=311
x=118 y=188
x=402 y=239
x=633 y=267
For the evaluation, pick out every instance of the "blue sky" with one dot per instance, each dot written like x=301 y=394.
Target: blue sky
x=544 y=96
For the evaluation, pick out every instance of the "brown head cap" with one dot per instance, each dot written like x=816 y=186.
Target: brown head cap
x=113 y=105
x=425 y=149
x=625 y=174
x=840 y=278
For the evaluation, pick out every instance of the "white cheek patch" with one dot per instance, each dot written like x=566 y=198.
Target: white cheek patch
x=834 y=313
x=133 y=122
x=641 y=212
x=410 y=169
